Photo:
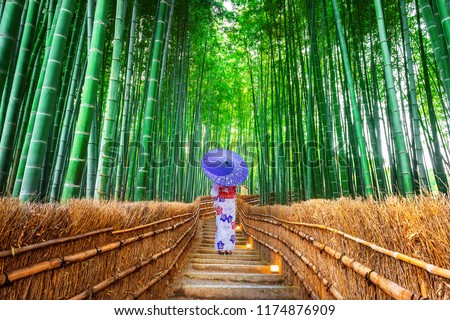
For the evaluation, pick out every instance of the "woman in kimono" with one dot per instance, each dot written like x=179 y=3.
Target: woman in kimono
x=225 y=204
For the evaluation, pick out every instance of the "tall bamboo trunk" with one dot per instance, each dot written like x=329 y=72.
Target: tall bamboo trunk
x=152 y=99
x=78 y=154
x=47 y=104
x=355 y=110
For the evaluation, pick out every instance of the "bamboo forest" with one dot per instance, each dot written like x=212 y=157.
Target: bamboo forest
x=324 y=99
x=332 y=119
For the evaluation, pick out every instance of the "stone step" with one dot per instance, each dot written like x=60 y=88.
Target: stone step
x=237 y=277
x=240 y=240
x=213 y=252
x=213 y=236
x=239 y=292
x=211 y=246
x=242 y=275
x=224 y=261
x=212 y=241
x=212 y=230
x=245 y=257
x=241 y=268
x=235 y=251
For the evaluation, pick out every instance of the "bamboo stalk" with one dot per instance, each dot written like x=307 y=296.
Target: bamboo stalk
x=116 y=277
x=77 y=257
x=16 y=251
x=430 y=268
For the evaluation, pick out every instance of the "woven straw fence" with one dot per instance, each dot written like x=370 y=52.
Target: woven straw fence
x=93 y=250
x=328 y=263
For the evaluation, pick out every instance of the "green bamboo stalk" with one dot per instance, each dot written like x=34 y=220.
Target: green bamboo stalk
x=47 y=104
x=16 y=96
x=62 y=146
x=23 y=127
x=124 y=132
x=355 y=110
x=5 y=94
x=400 y=147
x=63 y=94
x=310 y=192
x=344 y=187
x=78 y=154
x=32 y=103
x=440 y=52
x=444 y=12
x=417 y=141
x=144 y=163
x=381 y=174
x=9 y=29
x=106 y=161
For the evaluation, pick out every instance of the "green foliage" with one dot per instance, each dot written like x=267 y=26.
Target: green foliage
x=272 y=73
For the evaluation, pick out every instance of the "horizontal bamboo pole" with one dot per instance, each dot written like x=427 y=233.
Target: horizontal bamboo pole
x=18 y=274
x=151 y=224
x=116 y=277
x=15 y=251
x=294 y=268
x=391 y=288
x=430 y=268
x=328 y=284
x=330 y=287
x=209 y=214
x=160 y=276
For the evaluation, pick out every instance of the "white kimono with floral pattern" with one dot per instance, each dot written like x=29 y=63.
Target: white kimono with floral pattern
x=225 y=204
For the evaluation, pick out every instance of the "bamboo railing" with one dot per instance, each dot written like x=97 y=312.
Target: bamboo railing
x=430 y=268
x=29 y=271
x=15 y=251
x=138 y=265
x=288 y=243
x=144 y=257
x=311 y=293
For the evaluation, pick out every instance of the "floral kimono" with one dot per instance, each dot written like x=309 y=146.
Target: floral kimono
x=225 y=204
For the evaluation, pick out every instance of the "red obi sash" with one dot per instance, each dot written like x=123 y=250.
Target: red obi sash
x=227 y=192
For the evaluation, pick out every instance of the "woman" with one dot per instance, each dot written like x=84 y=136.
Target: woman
x=225 y=204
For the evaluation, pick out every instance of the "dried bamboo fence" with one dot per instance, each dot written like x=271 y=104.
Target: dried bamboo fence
x=331 y=264
x=132 y=258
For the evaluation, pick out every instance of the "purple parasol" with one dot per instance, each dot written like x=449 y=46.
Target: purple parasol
x=224 y=167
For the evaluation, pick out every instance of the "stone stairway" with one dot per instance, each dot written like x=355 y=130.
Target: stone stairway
x=242 y=275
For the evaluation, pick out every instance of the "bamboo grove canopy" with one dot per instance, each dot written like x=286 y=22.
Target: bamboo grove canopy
x=120 y=99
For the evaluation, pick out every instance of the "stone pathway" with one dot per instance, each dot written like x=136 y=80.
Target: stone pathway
x=242 y=275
